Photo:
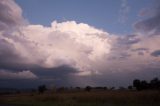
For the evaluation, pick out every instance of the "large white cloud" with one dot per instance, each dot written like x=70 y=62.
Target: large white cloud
x=68 y=43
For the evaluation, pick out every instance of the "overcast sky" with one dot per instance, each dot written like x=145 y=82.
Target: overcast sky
x=78 y=42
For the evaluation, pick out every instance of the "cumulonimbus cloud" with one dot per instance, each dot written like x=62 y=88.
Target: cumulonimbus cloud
x=67 y=43
x=87 y=49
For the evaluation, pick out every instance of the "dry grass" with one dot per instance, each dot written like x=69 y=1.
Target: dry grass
x=99 y=98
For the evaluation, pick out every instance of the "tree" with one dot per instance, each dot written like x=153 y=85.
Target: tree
x=130 y=87
x=112 y=88
x=137 y=84
x=42 y=88
x=144 y=85
x=155 y=83
x=88 y=88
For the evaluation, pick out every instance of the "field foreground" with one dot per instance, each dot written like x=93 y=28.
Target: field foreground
x=83 y=98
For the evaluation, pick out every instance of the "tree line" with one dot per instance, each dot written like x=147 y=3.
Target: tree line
x=153 y=84
x=137 y=84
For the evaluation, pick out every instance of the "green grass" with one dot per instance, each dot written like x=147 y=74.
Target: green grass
x=99 y=98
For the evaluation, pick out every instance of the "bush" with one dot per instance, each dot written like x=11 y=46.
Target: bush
x=42 y=88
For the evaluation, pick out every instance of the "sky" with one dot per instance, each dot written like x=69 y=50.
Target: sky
x=122 y=13
x=78 y=42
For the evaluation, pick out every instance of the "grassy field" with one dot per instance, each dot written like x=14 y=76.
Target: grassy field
x=83 y=98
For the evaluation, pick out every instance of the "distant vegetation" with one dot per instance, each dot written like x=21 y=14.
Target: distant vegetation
x=42 y=88
x=154 y=84
x=137 y=84
x=140 y=93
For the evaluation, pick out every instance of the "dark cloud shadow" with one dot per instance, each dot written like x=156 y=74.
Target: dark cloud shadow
x=156 y=53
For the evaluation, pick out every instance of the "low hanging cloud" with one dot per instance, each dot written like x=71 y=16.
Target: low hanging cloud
x=26 y=74
x=84 y=49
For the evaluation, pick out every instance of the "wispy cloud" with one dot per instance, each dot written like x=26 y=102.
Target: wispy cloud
x=151 y=25
x=124 y=11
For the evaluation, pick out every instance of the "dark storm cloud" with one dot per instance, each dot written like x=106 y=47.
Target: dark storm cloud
x=141 y=49
x=156 y=53
x=152 y=24
x=55 y=73
x=8 y=56
x=10 y=59
x=23 y=83
x=118 y=79
x=59 y=76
